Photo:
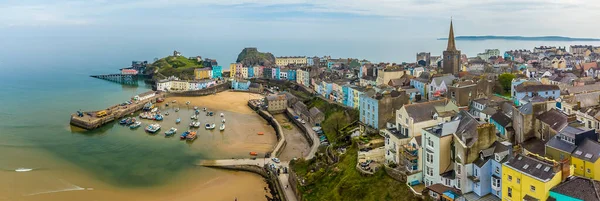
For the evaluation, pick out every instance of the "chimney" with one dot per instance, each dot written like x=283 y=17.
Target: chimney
x=417 y=97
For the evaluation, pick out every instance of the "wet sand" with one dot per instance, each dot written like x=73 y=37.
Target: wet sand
x=63 y=178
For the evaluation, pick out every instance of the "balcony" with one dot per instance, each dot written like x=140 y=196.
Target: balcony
x=411 y=165
x=410 y=150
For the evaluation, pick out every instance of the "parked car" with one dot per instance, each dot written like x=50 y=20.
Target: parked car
x=276 y=160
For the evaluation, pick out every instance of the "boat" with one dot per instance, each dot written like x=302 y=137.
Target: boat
x=166 y=104
x=222 y=114
x=171 y=132
x=178 y=120
x=174 y=101
x=187 y=103
x=195 y=107
x=158 y=117
x=252 y=153
x=130 y=121
x=176 y=109
x=135 y=125
x=194 y=117
x=148 y=106
x=166 y=113
x=125 y=120
x=159 y=100
x=154 y=110
x=210 y=113
x=191 y=136
x=204 y=109
x=209 y=126
x=197 y=112
x=197 y=124
x=152 y=128
x=192 y=123
x=261 y=133
x=222 y=120
x=222 y=128
x=184 y=134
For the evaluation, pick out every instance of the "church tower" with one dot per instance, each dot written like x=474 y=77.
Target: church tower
x=451 y=60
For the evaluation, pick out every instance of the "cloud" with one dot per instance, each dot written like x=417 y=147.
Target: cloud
x=489 y=16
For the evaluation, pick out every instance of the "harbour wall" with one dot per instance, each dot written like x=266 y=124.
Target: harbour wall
x=275 y=186
x=281 y=142
x=204 y=92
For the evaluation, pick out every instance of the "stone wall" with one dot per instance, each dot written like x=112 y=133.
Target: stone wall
x=278 y=132
x=204 y=92
x=395 y=174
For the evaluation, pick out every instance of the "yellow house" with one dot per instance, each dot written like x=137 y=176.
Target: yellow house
x=585 y=160
x=232 y=69
x=202 y=73
x=530 y=177
x=284 y=61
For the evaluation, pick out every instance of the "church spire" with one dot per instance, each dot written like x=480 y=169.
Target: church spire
x=451 y=45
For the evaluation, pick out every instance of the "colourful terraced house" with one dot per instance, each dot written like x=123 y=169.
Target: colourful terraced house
x=585 y=160
x=530 y=177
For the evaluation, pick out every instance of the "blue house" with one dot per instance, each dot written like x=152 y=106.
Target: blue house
x=369 y=108
x=291 y=75
x=502 y=152
x=531 y=90
x=217 y=72
x=346 y=93
x=482 y=174
x=243 y=85
x=501 y=121
x=250 y=72
x=421 y=85
x=330 y=64
x=277 y=73
x=508 y=56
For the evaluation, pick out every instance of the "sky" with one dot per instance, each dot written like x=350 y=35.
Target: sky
x=304 y=19
x=379 y=30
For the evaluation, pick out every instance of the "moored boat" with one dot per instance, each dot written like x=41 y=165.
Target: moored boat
x=194 y=117
x=184 y=134
x=154 y=110
x=210 y=126
x=197 y=124
x=148 y=106
x=171 y=132
x=195 y=107
x=152 y=128
x=222 y=120
x=222 y=128
x=187 y=103
x=158 y=117
x=135 y=125
x=191 y=136
x=222 y=114
x=176 y=109
x=178 y=120
x=125 y=120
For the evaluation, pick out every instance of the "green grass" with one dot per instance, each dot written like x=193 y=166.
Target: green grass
x=180 y=66
x=342 y=181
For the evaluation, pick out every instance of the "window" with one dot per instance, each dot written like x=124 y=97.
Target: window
x=575 y=166
x=588 y=171
x=433 y=194
x=458 y=183
x=447 y=182
x=509 y=178
x=518 y=180
x=430 y=143
x=475 y=172
x=429 y=158
x=509 y=192
x=430 y=171
x=406 y=121
x=495 y=182
x=497 y=169
x=532 y=188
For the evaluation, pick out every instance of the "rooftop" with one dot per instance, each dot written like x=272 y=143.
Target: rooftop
x=535 y=88
x=580 y=188
x=424 y=111
x=554 y=118
x=541 y=170
x=588 y=151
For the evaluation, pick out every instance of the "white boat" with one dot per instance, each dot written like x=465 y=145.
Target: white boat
x=194 y=117
x=195 y=107
x=154 y=110
x=222 y=114
x=187 y=103
x=197 y=124
x=176 y=109
x=135 y=125
x=222 y=128
x=210 y=126
x=222 y=120
x=204 y=109
x=152 y=128
x=174 y=101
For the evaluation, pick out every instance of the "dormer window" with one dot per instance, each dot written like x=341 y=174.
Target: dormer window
x=497 y=157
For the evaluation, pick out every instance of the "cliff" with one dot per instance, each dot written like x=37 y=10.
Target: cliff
x=250 y=56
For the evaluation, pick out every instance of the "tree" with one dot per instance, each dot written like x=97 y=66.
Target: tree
x=334 y=123
x=506 y=80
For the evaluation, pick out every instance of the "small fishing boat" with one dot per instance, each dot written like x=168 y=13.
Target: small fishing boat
x=222 y=120
x=252 y=153
x=187 y=103
x=166 y=113
x=135 y=125
x=171 y=132
x=178 y=120
x=130 y=121
x=195 y=107
x=154 y=110
x=148 y=106
x=184 y=134
x=222 y=114
x=222 y=128
x=204 y=109
x=210 y=126
x=159 y=100
x=194 y=117
x=158 y=117
x=191 y=136
x=152 y=128
x=176 y=109
x=174 y=101
x=210 y=113
x=197 y=124
x=125 y=120
x=197 y=112
x=166 y=104
x=192 y=123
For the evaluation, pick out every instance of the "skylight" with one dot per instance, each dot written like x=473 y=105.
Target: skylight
x=578 y=152
x=538 y=166
x=525 y=166
x=588 y=155
x=546 y=169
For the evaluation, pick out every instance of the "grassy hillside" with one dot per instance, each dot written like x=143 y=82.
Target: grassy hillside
x=342 y=181
x=180 y=66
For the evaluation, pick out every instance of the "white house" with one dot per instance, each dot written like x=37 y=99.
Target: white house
x=439 y=85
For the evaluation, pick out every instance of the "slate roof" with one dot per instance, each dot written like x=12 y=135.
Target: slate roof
x=535 y=88
x=501 y=119
x=580 y=188
x=467 y=129
x=588 y=151
x=424 y=111
x=449 y=174
x=583 y=89
x=489 y=111
x=526 y=109
x=585 y=99
x=554 y=118
x=528 y=165
x=440 y=189
x=447 y=79
x=559 y=144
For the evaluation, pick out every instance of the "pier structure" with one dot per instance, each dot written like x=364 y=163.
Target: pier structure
x=89 y=119
x=128 y=79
